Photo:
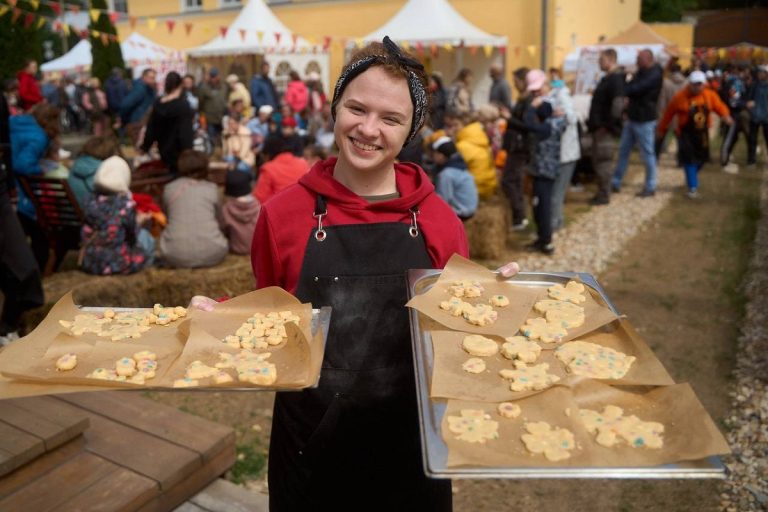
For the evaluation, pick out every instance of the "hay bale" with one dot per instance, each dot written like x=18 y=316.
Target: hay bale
x=487 y=229
x=167 y=286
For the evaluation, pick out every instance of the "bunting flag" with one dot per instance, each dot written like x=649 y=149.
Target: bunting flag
x=114 y=16
x=40 y=22
x=242 y=34
x=56 y=8
x=15 y=15
x=188 y=28
x=419 y=48
x=503 y=50
x=170 y=24
x=223 y=31
x=3 y=10
x=95 y=13
x=448 y=47
x=517 y=51
x=132 y=22
x=488 y=50
x=28 y=19
x=532 y=50
x=294 y=38
x=259 y=35
x=151 y=23
x=278 y=35
x=433 y=50
x=406 y=46
x=473 y=50
x=35 y=4
x=65 y=29
x=326 y=42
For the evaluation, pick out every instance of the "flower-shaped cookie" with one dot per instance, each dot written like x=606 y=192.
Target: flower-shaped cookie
x=466 y=288
x=481 y=314
x=572 y=292
x=555 y=443
x=473 y=426
x=529 y=378
x=541 y=329
x=545 y=305
x=199 y=370
x=592 y=360
x=520 y=347
x=566 y=319
x=611 y=427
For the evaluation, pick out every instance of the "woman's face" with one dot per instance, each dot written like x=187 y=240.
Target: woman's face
x=373 y=119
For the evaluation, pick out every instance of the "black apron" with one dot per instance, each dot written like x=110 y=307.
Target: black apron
x=353 y=443
x=694 y=136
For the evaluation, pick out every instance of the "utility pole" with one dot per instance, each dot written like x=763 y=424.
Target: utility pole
x=64 y=42
x=544 y=34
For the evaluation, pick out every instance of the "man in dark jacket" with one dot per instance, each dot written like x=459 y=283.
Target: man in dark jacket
x=500 y=94
x=605 y=123
x=141 y=97
x=643 y=94
x=212 y=102
x=116 y=90
x=263 y=90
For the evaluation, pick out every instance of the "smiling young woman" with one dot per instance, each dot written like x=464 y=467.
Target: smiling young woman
x=344 y=237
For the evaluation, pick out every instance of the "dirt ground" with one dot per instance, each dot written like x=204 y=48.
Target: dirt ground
x=679 y=283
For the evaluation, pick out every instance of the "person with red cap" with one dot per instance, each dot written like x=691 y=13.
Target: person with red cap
x=289 y=131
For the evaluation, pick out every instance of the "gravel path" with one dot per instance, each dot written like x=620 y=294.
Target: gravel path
x=747 y=486
x=588 y=244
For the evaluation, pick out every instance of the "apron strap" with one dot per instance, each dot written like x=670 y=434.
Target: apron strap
x=321 y=210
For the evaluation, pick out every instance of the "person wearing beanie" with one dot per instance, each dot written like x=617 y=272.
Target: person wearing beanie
x=453 y=182
x=239 y=212
x=289 y=131
x=112 y=241
x=238 y=91
x=281 y=169
x=259 y=126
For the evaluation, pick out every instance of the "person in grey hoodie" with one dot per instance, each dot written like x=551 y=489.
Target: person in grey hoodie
x=453 y=182
x=94 y=151
x=239 y=212
x=673 y=82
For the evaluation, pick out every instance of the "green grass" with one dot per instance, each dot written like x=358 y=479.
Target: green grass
x=735 y=248
x=250 y=464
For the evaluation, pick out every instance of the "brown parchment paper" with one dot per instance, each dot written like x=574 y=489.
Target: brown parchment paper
x=689 y=432
x=32 y=359
x=450 y=381
x=521 y=299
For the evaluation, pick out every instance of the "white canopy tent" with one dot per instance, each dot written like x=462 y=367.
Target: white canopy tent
x=78 y=58
x=256 y=30
x=435 y=23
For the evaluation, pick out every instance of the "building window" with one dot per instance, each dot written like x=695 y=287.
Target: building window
x=118 y=5
x=230 y=3
x=191 y=5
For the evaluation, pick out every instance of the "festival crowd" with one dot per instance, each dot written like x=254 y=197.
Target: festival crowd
x=533 y=145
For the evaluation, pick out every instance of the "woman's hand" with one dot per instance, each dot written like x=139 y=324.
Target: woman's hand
x=508 y=270
x=202 y=303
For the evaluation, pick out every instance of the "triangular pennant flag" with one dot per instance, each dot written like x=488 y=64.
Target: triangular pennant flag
x=132 y=22
x=311 y=40
x=95 y=13
x=503 y=50
x=406 y=46
x=170 y=24
x=326 y=42
x=104 y=39
x=35 y=4
x=223 y=31
x=419 y=48
x=517 y=51
x=56 y=8
x=15 y=15
x=294 y=38
x=473 y=50
x=448 y=47
x=12 y=3
x=114 y=16
x=278 y=35
x=151 y=23
x=433 y=50
x=488 y=50
x=532 y=50
x=242 y=34
x=188 y=28
x=207 y=30
x=3 y=10
x=259 y=35
x=28 y=19
x=359 y=42
x=95 y=33
x=40 y=22
x=65 y=29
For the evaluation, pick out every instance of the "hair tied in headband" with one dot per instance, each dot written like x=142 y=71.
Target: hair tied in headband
x=394 y=50
x=408 y=64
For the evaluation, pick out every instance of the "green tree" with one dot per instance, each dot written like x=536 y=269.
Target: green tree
x=17 y=42
x=105 y=56
x=665 y=10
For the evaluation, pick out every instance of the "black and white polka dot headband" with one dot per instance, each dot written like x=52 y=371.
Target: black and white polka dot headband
x=415 y=86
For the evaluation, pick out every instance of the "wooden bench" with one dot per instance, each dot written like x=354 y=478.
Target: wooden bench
x=151 y=178
x=58 y=214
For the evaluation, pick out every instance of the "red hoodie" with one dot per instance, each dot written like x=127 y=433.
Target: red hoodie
x=286 y=221
x=29 y=91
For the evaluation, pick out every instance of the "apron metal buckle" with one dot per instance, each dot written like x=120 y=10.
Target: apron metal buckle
x=320 y=233
x=414 y=229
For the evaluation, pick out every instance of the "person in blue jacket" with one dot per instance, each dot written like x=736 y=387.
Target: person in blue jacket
x=453 y=182
x=81 y=174
x=31 y=137
x=263 y=90
x=116 y=90
x=141 y=97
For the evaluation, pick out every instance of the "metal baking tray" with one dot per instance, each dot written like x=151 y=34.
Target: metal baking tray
x=431 y=411
x=321 y=319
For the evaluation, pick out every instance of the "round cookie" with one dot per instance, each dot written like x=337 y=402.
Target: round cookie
x=66 y=362
x=499 y=301
x=508 y=410
x=479 y=346
x=473 y=365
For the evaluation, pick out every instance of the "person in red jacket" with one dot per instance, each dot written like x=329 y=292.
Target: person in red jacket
x=281 y=170
x=29 y=90
x=296 y=93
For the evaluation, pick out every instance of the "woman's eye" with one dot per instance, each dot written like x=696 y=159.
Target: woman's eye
x=391 y=121
x=357 y=110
